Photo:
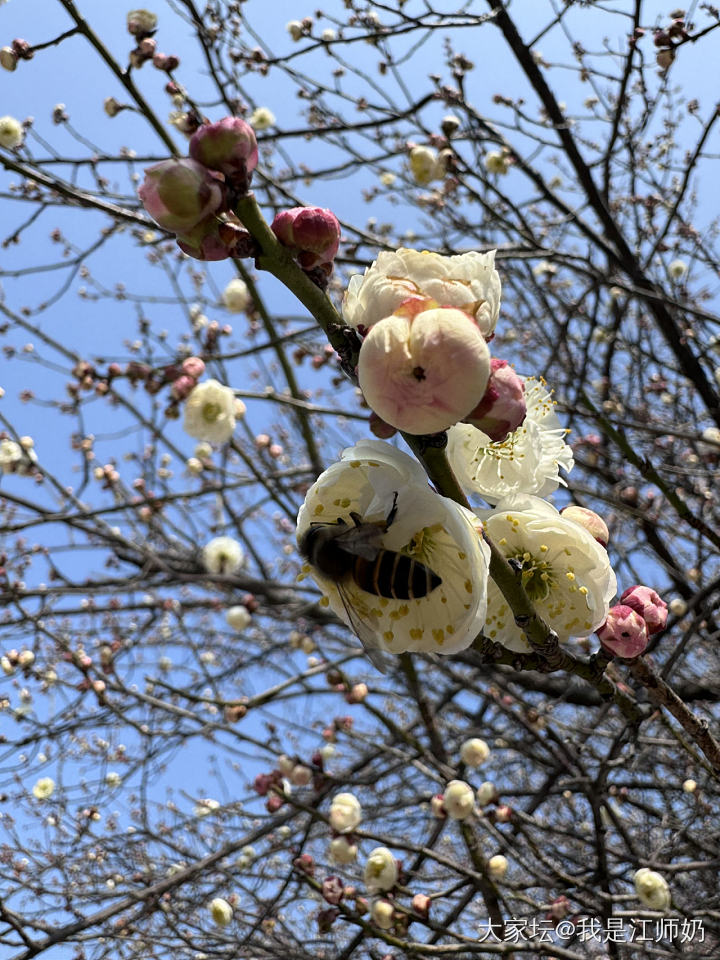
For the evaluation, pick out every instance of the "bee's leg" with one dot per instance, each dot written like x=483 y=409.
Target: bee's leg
x=355 y=517
x=393 y=511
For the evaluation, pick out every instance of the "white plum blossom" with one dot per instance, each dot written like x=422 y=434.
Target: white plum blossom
x=496 y=162
x=528 y=460
x=206 y=807
x=44 y=788
x=295 y=29
x=566 y=573
x=221 y=912
x=223 y=555
x=433 y=530
x=261 y=118
x=652 y=889
x=17 y=457
x=474 y=752
x=238 y=617
x=210 y=412
x=345 y=813
x=458 y=800
x=343 y=850
x=497 y=866
x=381 y=870
x=11 y=133
x=467 y=281
x=236 y=296
x=425 y=165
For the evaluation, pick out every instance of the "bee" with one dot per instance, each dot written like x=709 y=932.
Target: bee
x=356 y=555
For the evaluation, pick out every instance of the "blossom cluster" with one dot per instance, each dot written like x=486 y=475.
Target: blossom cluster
x=408 y=569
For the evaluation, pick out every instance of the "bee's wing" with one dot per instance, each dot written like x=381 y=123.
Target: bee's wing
x=364 y=632
x=364 y=541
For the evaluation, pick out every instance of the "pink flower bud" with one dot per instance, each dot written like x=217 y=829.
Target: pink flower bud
x=590 y=521
x=178 y=194
x=503 y=814
x=651 y=607
x=502 y=408
x=166 y=61
x=305 y=863
x=182 y=387
x=437 y=806
x=204 y=241
x=624 y=632
x=421 y=904
x=333 y=890
x=229 y=146
x=311 y=230
x=423 y=369
x=273 y=803
x=193 y=367
x=379 y=428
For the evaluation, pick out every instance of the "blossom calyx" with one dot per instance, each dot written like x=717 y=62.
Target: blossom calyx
x=650 y=605
x=624 y=632
x=502 y=408
x=313 y=231
x=424 y=368
x=229 y=145
x=178 y=194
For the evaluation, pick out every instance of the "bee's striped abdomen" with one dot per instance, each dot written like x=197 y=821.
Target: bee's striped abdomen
x=395 y=576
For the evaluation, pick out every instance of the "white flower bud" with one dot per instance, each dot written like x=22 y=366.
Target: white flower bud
x=381 y=870
x=677 y=269
x=11 y=133
x=383 y=914
x=342 y=850
x=677 y=607
x=345 y=813
x=459 y=800
x=652 y=889
x=295 y=29
x=689 y=786
x=221 y=912
x=486 y=793
x=238 y=617
x=474 y=752
x=497 y=866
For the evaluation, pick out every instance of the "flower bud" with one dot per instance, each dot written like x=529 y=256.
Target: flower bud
x=677 y=269
x=474 y=752
x=228 y=146
x=300 y=775
x=141 y=23
x=450 y=124
x=167 y=62
x=437 y=806
x=295 y=29
x=459 y=800
x=205 y=241
x=22 y=49
x=357 y=693
x=425 y=165
x=421 y=905
x=624 y=632
x=236 y=296
x=379 y=428
x=343 y=850
x=345 y=813
x=333 y=890
x=382 y=914
x=502 y=408
x=496 y=162
x=677 y=607
x=314 y=231
x=421 y=370
x=238 y=617
x=689 y=786
x=651 y=607
x=652 y=889
x=8 y=58
x=497 y=866
x=112 y=107
x=193 y=367
x=305 y=863
x=182 y=387
x=221 y=912
x=178 y=194
x=381 y=871
x=503 y=814
x=11 y=133
x=486 y=793
x=590 y=521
